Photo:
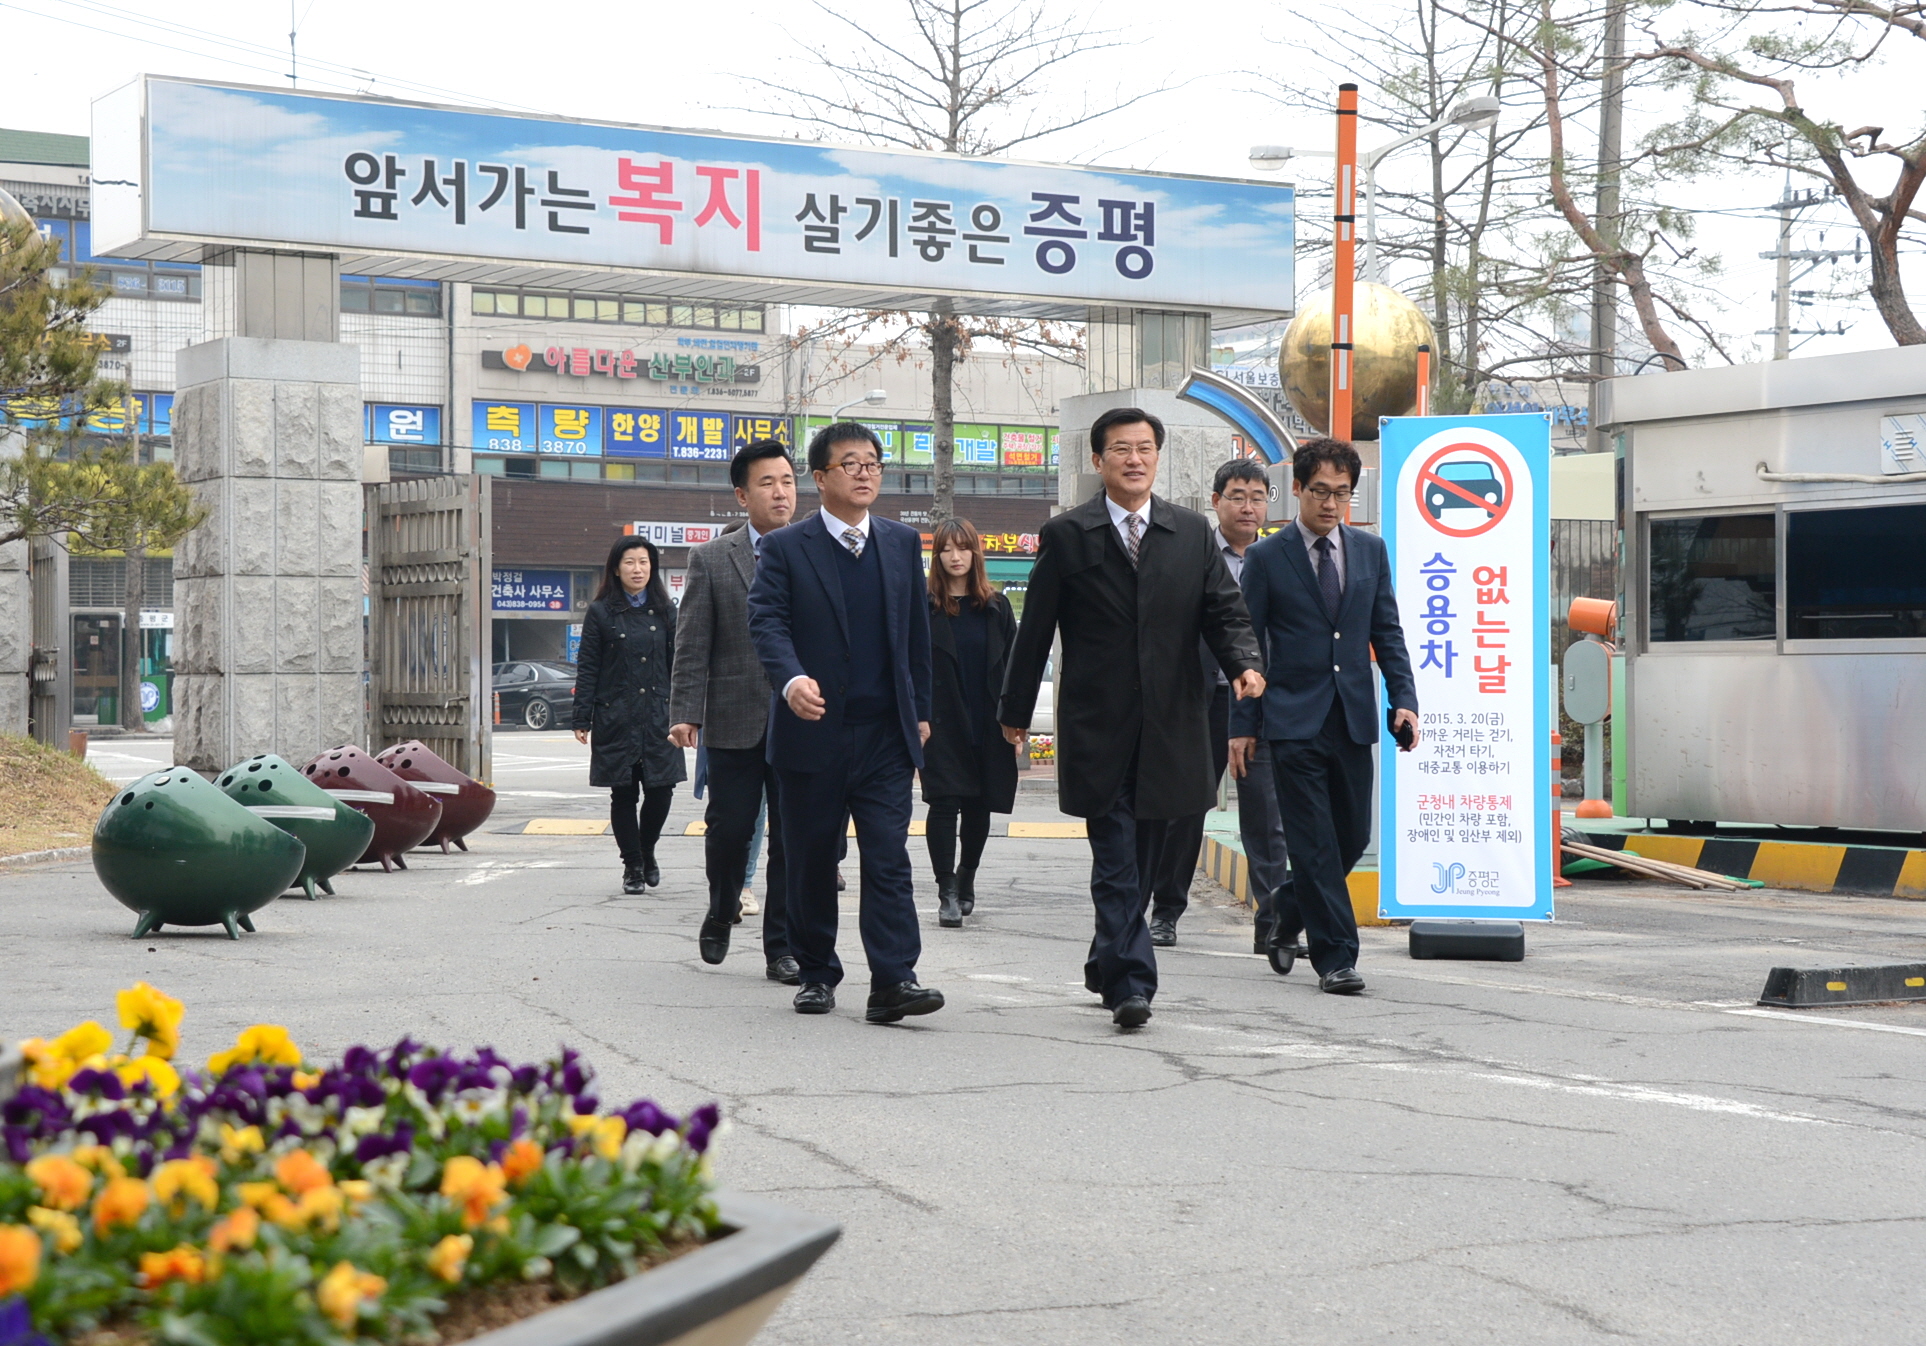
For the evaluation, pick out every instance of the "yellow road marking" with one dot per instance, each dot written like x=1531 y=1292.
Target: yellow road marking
x=565 y=827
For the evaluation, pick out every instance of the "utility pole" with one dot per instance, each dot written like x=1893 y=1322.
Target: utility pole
x=1611 y=127
x=1783 y=256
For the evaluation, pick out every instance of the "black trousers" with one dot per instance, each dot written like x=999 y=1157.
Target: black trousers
x=740 y=779
x=868 y=780
x=1126 y=855
x=1171 y=894
x=636 y=834
x=940 y=830
x=1324 y=799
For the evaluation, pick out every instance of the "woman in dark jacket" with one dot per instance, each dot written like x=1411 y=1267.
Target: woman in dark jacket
x=969 y=769
x=622 y=697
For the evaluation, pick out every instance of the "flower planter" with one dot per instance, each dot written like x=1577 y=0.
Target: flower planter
x=719 y=1295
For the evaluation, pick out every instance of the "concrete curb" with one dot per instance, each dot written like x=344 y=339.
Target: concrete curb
x=1224 y=862
x=60 y=855
x=1808 y=866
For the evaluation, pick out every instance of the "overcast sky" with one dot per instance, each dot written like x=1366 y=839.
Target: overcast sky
x=684 y=65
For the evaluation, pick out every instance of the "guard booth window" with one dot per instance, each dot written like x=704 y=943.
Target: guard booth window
x=1713 y=578
x=1856 y=574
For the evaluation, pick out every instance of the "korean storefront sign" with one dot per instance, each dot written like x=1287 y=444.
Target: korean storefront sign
x=531 y=591
x=580 y=431
x=1024 y=448
x=675 y=534
x=599 y=362
x=195 y=160
x=1467 y=521
x=390 y=424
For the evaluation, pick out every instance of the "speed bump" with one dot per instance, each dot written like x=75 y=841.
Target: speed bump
x=1805 y=988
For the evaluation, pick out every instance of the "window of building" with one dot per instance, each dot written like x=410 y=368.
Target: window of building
x=1713 y=578
x=100 y=582
x=387 y=294
x=1856 y=574
x=124 y=279
x=497 y=303
x=414 y=460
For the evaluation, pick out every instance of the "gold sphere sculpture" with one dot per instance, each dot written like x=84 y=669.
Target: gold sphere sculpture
x=1387 y=331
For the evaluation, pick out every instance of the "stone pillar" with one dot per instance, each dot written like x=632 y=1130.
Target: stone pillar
x=268 y=597
x=16 y=637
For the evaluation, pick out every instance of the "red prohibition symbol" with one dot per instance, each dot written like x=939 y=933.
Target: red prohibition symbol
x=1468 y=495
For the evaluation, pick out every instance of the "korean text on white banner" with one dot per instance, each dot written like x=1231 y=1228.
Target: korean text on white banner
x=1467 y=519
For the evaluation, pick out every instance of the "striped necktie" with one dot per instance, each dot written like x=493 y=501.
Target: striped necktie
x=1135 y=527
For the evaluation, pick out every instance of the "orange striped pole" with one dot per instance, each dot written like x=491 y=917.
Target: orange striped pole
x=1344 y=235
x=1424 y=381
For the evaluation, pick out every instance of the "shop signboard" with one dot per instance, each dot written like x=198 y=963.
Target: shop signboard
x=391 y=424
x=675 y=534
x=531 y=590
x=1465 y=816
x=701 y=435
x=180 y=160
x=504 y=427
x=574 y=432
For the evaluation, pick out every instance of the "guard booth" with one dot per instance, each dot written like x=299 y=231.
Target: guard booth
x=1774 y=604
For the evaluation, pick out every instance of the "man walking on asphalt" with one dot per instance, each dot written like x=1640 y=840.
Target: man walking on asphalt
x=841 y=619
x=1133 y=582
x=720 y=698
x=1240 y=497
x=1319 y=593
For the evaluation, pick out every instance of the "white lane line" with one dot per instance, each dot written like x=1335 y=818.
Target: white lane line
x=550 y=794
x=1795 y=1017
x=1627 y=1093
x=489 y=869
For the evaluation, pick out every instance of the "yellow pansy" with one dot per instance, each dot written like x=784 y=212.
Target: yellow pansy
x=451 y=1256
x=341 y=1291
x=64 y=1227
x=237 y=1143
x=83 y=1041
x=264 y=1044
x=152 y=1015
x=63 y=1184
x=238 y=1230
x=477 y=1186
x=607 y=1136
x=122 y=1202
x=183 y=1263
x=100 y=1159
x=162 y=1077
x=178 y=1179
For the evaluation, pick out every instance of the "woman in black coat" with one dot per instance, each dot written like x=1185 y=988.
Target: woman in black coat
x=622 y=698
x=969 y=769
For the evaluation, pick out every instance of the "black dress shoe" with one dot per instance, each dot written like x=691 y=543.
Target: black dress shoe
x=905 y=998
x=651 y=875
x=713 y=940
x=1260 y=937
x=815 y=998
x=785 y=970
x=1091 y=984
x=1344 y=981
x=632 y=880
x=1132 y=1013
x=966 y=890
x=1281 y=949
x=1163 y=932
x=948 y=913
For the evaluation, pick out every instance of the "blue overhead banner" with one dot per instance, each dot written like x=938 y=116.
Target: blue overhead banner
x=195 y=161
x=1466 y=818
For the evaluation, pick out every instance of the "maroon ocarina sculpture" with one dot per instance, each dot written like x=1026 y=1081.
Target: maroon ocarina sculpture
x=403 y=816
x=465 y=801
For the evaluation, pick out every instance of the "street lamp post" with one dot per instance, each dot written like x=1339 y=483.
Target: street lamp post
x=1474 y=114
x=874 y=397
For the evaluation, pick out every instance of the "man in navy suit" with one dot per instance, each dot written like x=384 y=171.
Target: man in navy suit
x=840 y=619
x=1319 y=593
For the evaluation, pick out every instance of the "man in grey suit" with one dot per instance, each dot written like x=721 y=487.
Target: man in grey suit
x=719 y=698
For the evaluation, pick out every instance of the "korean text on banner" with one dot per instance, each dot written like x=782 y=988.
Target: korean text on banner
x=1467 y=521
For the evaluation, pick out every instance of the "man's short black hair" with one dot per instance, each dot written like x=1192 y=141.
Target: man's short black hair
x=1123 y=416
x=754 y=452
x=1314 y=454
x=1238 y=469
x=839 y=433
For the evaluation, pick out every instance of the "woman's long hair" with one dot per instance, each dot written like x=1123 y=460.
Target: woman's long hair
x=658 y=587
x=951 y=534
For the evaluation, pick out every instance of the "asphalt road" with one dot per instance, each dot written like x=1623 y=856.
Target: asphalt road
x=1605 y=1142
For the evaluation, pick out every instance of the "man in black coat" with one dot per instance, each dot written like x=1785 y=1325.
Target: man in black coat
x=1133 y=582
x=1319 y=593
x=841 y=620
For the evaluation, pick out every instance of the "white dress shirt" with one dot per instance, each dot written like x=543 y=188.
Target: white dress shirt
x=1117 y=516
x=835 y=527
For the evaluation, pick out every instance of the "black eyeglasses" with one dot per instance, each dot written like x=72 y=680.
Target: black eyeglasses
x=1341 y=494
x=856 y=469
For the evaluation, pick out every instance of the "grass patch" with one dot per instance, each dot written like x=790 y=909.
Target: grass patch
x=48 y=799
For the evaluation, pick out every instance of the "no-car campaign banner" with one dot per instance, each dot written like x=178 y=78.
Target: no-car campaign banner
x=1467 y=519
x=193 y=160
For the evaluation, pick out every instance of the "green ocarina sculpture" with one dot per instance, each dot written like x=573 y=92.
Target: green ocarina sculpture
x=177 y=851
x=335 y=835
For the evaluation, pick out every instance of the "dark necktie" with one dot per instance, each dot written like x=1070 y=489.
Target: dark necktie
x=1136 y=527
x=1327 y=577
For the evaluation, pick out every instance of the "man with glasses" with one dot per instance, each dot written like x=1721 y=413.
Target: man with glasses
x=839 y=617
x=1132 y=582
x=1319 y=593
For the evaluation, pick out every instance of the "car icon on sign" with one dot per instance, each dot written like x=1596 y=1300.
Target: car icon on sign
x=1474 y=477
